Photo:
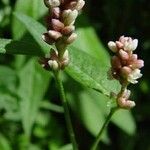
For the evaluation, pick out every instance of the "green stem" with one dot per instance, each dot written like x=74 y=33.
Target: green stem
x=98 y=138
x=66 y=110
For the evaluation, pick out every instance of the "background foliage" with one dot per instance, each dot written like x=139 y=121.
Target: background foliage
x=31 y=116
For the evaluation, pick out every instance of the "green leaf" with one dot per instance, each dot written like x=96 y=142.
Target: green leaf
x=33 y=84
x=33 y=8
x=125 y=121
x=90 y=72
x=88 y=41
x=122 y=118
x=4 y=143
x=20 y=47
x=83 y=102
x=34 y=28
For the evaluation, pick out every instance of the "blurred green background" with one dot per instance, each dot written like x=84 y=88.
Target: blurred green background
x=31 y=116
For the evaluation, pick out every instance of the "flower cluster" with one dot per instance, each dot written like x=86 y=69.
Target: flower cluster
x=125 y=67
x=60 y=26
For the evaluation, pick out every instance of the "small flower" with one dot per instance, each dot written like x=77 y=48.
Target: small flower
x=134 y=75
x=53 y=64
x=52 y=3
x=69 y=16
x=112 y=46
x=124 y=102
x=130 y=45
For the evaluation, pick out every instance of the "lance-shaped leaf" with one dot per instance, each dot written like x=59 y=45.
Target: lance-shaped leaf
x=20 y=47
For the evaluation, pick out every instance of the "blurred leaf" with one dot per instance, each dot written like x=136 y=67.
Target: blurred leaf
x=67 y=147
x=125 y=121
x=4 y=143
x=8 y=79
x=53 y=107
x=89 y=42
x=33 y=8
x=35 y=29
x=33 y=84
x=90 y=72
x=104 y=104
x=19 y=47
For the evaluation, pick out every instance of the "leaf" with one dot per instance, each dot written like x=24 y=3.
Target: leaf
x=84 y=105
x=33 y=85
x=4 y=143
x=125 y=121
x=90 y=72
x=122 y=118
x=11 y=76
x=33 y=8
x=35 y=29
x=19 y=47
x=88 y=41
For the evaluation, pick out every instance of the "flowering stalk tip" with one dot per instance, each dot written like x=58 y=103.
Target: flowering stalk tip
x=60 y=28
x=125 y=67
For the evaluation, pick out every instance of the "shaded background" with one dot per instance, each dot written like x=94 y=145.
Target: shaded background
x=109 y=19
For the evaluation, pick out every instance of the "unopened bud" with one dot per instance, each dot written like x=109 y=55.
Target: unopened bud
x=71 y=38
x=69 y=16
x=52 y=3
x=47 y=39
x=119 y=45
x=112 y=46
x=123 y=54
x=54 y=34
x=57 y=25
x=80 y=4
x=115 y=62
x=137 y=64
x=134 y=75
x=126 y=104
x=125 y=71
x=53 y=64
x=56 y=12
x=68 y=30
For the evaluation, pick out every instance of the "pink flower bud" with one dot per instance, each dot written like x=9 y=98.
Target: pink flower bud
x=138 y=64
x=115 y=62
x=124 y=55
x=125 y=71
x=119 y=45
x=56 y=12
x=68 y=30
x=126 y=104
x=57 y=25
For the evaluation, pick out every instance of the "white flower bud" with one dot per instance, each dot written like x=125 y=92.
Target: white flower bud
x=53 y=64
x=69 y=16
x=52 y=3
x=71 y=38
x=112 y=46
x=54 y=34
x=134 y=75
x=80 y=4
x=131 y=45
